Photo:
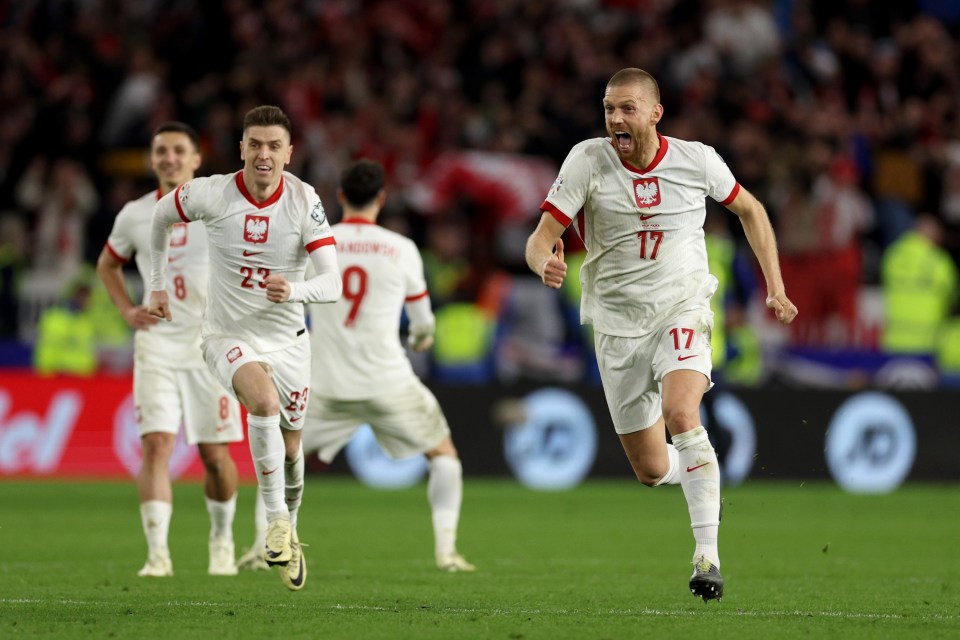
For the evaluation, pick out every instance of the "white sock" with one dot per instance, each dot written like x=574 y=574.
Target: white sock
x=155 y=516
x=221 y=517
x=672 y=476
x=267 y=450
x=700 y=478
x=293 y=491
x=445 y=494
x=260 y=521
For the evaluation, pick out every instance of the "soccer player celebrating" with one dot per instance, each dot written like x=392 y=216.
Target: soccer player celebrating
x=171 y=384
x=364 y=375
x=263 y=224
x=638 y=200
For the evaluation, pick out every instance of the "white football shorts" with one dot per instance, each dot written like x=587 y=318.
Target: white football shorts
x=289 y=368
x=165 y=398
x=406 y=421
x=632 y=369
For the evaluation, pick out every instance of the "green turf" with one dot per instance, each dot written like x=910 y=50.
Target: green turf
x=607 y=560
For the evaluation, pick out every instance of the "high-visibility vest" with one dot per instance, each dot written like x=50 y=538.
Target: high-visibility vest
x=463 y=335
x=66 y=343
x=919 y=286
x=948 y=347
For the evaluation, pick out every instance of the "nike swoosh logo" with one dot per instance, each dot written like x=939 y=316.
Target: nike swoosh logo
x=299 y=579
x=271 y=555
x=173 y=258
x=266 y=473
x=644 y=218
x=247 y=254
x=689 y=469
x=682 y=358
x=295 y=419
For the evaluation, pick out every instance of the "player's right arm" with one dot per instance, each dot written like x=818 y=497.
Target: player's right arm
x=110 y=270
x=167 y=211
x=540 y=254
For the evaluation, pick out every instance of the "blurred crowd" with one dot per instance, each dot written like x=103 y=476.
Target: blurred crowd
x=842 y=116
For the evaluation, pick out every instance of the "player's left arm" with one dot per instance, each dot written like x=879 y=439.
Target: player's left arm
x=756 y=225
x=417 y=303
x=325 y=286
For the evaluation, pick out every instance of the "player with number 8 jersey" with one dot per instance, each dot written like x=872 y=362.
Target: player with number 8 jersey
x=171 y=383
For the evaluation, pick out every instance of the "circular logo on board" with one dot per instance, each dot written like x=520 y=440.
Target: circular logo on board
x=126 y=442
x=555 y=444
x=871 y=443
x=375 y=468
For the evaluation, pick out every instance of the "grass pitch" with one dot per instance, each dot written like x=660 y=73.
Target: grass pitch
x=607 y=560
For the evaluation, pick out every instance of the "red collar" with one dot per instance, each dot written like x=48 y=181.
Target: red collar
x=259 y=205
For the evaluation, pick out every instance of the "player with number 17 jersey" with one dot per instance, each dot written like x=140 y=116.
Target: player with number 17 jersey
x=249 y=241
x=645 y=226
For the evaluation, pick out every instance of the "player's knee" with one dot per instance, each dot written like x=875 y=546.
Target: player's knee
x=214 y=459
x=680 y=419
x=648 y=473
x=156 y=448
x=262 y=405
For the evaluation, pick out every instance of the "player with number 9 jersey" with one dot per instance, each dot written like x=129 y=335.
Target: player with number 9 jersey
x=382 y=270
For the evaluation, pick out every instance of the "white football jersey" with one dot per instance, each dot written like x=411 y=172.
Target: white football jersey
x=356 y=347
x=249 y=241
x=166 y=344
x=643 y=230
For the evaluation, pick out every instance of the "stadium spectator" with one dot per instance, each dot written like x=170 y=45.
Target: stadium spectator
x=431 y=77
x=361 y=374
x=66 y=340
x=61 y=197
x=263 y=225
x=639 y=196
x=919 y=281
x=171 y=383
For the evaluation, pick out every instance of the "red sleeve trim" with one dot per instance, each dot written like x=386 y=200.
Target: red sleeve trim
x=176 y=200
x=560 y=216
x=322 y=242
x=733 y=194
x=116 y=255
x=416 y=297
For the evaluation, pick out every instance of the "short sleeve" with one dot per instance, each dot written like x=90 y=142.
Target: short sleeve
x=569 y=191
x=315 y=228
x=415 y=284
x=721 y=185
x=120 y=243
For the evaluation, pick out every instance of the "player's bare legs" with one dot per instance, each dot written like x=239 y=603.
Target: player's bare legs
x=220 y=489
x=647 y=451
x=699 y=475
x=156 y=501
x=445 y=494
